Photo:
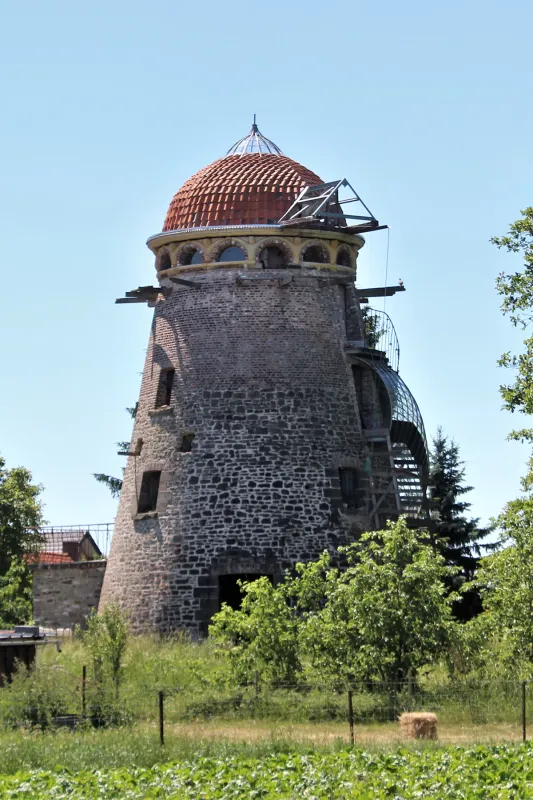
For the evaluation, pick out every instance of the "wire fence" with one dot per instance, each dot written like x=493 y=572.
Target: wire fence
x=465 y=711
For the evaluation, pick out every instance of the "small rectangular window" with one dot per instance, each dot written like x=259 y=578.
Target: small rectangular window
x=186 y=442
x=349 y=479
x=164 y=389
x=149 y=492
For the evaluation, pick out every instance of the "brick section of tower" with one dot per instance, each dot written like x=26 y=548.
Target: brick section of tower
x=262 y=381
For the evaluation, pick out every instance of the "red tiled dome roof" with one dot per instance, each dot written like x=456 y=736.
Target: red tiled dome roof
x=248 y=189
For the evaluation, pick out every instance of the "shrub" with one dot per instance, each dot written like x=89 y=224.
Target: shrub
x=34 y=697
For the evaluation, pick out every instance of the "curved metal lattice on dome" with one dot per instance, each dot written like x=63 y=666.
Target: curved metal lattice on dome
x=254 y=142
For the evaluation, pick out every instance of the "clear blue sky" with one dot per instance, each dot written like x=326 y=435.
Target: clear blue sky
x=107 y=107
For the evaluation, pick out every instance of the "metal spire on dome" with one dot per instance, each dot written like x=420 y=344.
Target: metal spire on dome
x=254 y=142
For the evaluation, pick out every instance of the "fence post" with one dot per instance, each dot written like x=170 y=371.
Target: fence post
x=350 y=716
x=524 y=720
x=161 y=720
x=83 y=691
x=409 y=690
x=394 y=700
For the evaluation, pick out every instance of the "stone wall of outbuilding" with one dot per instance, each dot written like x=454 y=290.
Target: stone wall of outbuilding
x=64 y=594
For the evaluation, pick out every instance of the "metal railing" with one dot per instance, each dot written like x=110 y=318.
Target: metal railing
x=380 y=334
x=64 y=543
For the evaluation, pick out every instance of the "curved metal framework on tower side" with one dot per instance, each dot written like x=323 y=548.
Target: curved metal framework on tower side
x=402 y=446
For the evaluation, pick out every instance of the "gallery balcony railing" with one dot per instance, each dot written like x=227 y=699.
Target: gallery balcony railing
x=380 y=334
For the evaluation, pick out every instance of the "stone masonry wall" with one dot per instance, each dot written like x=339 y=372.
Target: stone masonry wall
x=262 y=381
x=63 y=594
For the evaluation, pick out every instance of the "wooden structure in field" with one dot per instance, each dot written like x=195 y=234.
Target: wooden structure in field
x=18 y=646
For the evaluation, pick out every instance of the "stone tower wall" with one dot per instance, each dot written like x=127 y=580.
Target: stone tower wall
x=262 y=381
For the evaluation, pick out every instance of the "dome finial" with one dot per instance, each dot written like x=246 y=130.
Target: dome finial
x=254 y=142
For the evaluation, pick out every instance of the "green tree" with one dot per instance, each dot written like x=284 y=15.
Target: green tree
x=516 y=289
x=372 y=326
x=20 y=520
x=106 y=638
x=505 y=579
x=115 y=484
x=262 y=634
x=16 y=595
x=20 y=515
x=388 y=613
x=382 y=617
x=457 y=536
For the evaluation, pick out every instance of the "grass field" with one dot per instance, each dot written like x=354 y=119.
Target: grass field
x=140 y=746
x=198 y=686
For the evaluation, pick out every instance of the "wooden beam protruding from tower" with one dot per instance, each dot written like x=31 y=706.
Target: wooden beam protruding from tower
x=149 y=294
x=378 y=291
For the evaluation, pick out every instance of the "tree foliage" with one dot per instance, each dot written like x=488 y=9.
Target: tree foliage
x=384 y=616
x=506 y=582
x=516 y=289
x=20 y=515
x=115 y=484
x=388 y=611
x=372 y=326
x=16 y=594
x=263 y=633
x=457 y=536
x=106 y=638
x=20 y=520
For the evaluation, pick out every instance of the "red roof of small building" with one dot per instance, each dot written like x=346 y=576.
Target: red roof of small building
x=47 y=557
x=247 y=189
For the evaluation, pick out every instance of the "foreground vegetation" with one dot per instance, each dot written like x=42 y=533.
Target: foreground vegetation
x=482 y=772
x=203 y=701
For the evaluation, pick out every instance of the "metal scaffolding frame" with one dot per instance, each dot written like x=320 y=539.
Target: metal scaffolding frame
x=322 y=203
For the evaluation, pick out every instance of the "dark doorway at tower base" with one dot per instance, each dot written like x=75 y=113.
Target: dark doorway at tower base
x=229 y=590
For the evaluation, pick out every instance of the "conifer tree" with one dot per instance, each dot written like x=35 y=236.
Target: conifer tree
x=456 y=536
x=115 y=484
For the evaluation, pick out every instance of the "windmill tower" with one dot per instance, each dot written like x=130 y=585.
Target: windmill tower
x=272 y=423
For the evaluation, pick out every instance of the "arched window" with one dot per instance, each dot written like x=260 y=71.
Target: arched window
x=316 y=254
x=163 y=260
x=272 y=257
x=232 y=253
x=191 y=256
x=344 y=258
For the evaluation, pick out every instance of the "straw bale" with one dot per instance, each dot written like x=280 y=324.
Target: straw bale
x=418 y=725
